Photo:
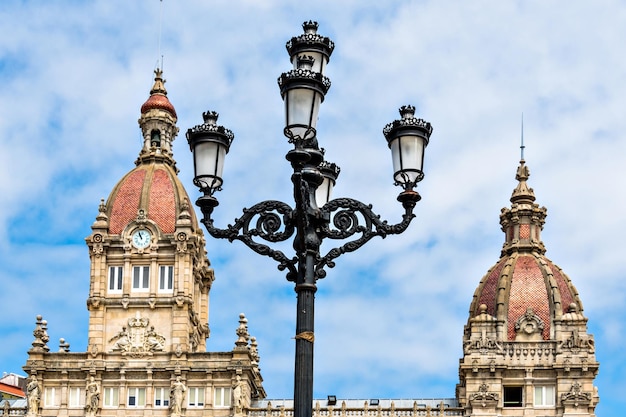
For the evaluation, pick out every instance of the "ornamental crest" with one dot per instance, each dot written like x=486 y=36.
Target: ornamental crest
x=529 y=326
x=483 y=395
x=138 y=338
x=576 y=395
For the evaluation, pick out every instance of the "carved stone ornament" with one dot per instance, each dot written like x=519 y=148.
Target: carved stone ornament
x=482 y=345
x=33 y=396
x=483 y=394
x=242 y=332
x=529 y=324
x=576 y=396
x=138 y=339
x=241 y=397
x=141 y=216
x=97 y=246
x=181 y=242
x=93 y=350
x=576 y=342
x=484 y=397
x=178 y=351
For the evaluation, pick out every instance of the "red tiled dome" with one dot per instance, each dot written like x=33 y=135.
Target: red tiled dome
x=522 y=281
x=156 y=189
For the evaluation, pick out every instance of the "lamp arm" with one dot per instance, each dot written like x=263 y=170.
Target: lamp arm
x=348 y=217
x=273 y=224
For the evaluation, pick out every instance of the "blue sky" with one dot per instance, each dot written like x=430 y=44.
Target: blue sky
x=74 y=75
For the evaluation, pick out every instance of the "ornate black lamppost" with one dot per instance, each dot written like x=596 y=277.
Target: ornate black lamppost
x=314 y=217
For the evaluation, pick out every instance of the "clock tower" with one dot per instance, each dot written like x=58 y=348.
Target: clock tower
x=150 y=277
x=148 y=305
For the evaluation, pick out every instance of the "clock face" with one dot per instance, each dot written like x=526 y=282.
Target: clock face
x=141 y=239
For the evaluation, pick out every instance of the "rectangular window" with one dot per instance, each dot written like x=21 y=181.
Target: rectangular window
x=111 y=398
x=221 y=397
x=161 y=397
x=50 y=397
x=136 y=397
x=141 y=278
x=76 y=398
x=544 y=396
x=115 y=278
x=512 y=396
x=195 y=397
x=166 y=278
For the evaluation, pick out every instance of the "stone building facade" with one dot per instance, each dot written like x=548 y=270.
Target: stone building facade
x=148 y=305
x=526 y=349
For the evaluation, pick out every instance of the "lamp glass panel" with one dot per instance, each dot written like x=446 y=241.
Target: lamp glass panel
x=209 y=159
x=407 y=153
x=323 y=192
x=302 y=108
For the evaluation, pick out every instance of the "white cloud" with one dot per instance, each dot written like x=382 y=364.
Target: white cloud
x=74 y=77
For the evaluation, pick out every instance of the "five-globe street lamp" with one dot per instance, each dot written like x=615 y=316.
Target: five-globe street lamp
x=314 y=216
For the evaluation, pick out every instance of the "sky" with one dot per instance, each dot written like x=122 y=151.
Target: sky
x=389 y=317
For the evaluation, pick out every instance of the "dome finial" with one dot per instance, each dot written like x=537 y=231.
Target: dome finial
x=159 y=83
x=522 y=193
x=523 y=221
x=522 y=141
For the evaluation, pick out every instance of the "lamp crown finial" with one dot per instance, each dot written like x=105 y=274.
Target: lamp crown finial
x=407 y=112
x=210 y=117
x=310 y=26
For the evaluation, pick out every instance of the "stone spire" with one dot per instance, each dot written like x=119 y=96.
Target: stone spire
x=523 y=221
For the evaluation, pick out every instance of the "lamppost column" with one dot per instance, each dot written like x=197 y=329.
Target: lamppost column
x=303 y=375
x=306 y=178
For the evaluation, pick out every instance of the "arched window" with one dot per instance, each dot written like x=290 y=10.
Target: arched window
x=155 y=138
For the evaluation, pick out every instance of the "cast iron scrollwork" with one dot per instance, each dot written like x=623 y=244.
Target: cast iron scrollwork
x=344 y=221
x=273 y=224
x=341 y=219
